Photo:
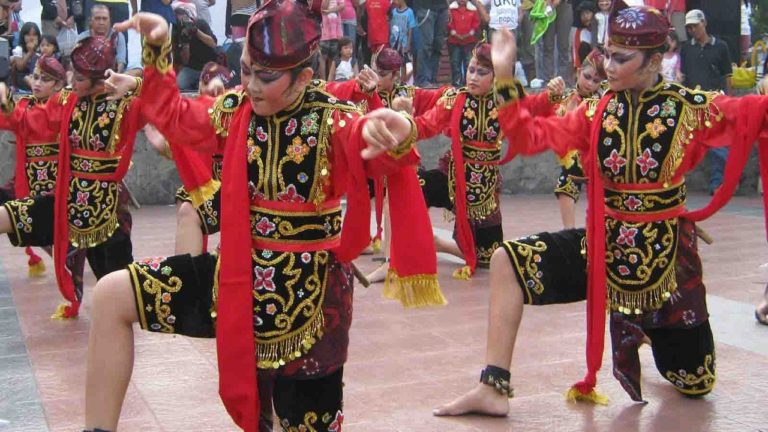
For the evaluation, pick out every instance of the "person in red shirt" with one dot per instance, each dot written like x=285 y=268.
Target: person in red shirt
x=463 y=28
x=378 y=24
x=675 y=12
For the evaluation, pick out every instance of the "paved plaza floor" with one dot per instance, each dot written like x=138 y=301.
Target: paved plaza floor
x=402 y=363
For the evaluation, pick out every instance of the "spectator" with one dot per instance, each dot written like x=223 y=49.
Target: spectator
x=50 y=46
x=582 y=37
x=194 y=45
x=706 y=62
x=67 y=24
x=119 y=11
x=330 y=35
x=675 y=11
x=101 y=25
x=50 y=13
x=203 y=11
x=349 y=21
x=344 y=68
x=746 y=30
x=670 y=64
x=377 y=28
x=10 y=21
x=463 y=29
x=159 y=7
x=24 y=55
x=432 y=19
x=558 y=31
x=601 y=22
x=401 y=25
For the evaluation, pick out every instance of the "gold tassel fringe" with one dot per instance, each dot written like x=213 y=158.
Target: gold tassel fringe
x=483 y=210
x=37 y=269
x=573 y=395
x=376 y=245
x=273 y=355
x=93 y=236
x=61 y=313
x=203 y=193
x=413 y=291
x=639 y=302
x=464 y=273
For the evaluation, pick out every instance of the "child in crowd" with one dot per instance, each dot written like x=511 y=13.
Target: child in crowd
x=463 y=31
x=600 y=24
x=670 y=64
x=401 y=25
x=24 y=56
x=345 y=67
x=582 y=38
x=378 y=27
x=331 y=33
x=50 y=46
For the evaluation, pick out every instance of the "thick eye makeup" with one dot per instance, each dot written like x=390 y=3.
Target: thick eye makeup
x=479 y=70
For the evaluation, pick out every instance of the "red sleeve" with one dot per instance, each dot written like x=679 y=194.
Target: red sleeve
x=451 y=22
x=475 y=22
x=539 y=104
x=433 y=122
x=425 y=99
x=45 y=118
x=744 y=115
x=536 y=134
x=11 y=121
x=181 y=120
x=351 y=91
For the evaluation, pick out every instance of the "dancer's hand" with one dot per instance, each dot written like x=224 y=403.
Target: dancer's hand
x=383 y=131
x=403 y=103
x=153 y=27
x=118 y=84
x=367 y=79
x=5 y=95
x=556 y=88
x=504 y=54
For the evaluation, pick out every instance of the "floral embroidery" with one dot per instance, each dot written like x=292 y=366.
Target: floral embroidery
x=303 y=177
x=655 y=129
x=306 y=257
x=96 y=143
x=671 y=122
x=493 y=114
x=468 y=113
x=626 y=236
x=271 y=309
x=646 y=162
x=611 y=107
x=490 y=134
x=608 y=141
x=614 y=162
x=290 y=195
x=253 y=151
x=475 y=177
x=653 y=111
x=312 y=141
x=297 y=150
x=103 y=120
x=620 y=110
x=264 y=226
x=335 y=426
x=263 y=278
x=668 y=108
x=42 y=175
x=260 y=134
x=309 y=123
x=82 y=198
x=632 y=203
x=624 y=270
x=470 y=132
x=291 y=128
x=630 y=18
x=610 y=124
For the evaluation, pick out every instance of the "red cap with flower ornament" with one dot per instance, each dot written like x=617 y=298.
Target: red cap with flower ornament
x=637 y=27
x=388 y=60
x=283 y=34
x=596 y=59
x=482 y=53
x=213 y=70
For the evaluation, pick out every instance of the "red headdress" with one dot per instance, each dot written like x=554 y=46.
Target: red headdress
x=637 y=27
x=482 y=53
x=93 y=55
x=213 y=70
x=596 y=59
x=389 y=60
x=283 y=34
x=50 y=67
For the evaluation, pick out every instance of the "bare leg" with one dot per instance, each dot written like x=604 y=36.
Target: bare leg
x=567 y=211
x=448 y=246
x=5 y=221
x=761 y=313
x=380 y=273
x=189 y=231
x=110 y=350
x=505 y=311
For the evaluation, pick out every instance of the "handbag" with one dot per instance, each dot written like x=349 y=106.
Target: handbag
x=745 y=77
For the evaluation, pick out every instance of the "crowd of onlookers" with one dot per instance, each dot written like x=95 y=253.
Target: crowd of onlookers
x=554 y=36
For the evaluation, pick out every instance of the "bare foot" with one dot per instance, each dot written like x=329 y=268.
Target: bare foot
x=483 y=399
x=379 y=274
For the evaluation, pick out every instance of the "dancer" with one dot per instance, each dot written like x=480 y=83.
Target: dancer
x=36 y=150
x=88 y=209
x=282 y=279
x=651 y=276
x=468 y=181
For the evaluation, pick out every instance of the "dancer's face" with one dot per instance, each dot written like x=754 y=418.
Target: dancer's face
x=588 y=80
x=627 y=69
x=83 y=86
x=43 y=86
x=270 y=91
x=479 y=78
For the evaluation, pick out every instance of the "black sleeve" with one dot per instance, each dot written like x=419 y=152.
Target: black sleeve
x=206 y=28
x=725 y=57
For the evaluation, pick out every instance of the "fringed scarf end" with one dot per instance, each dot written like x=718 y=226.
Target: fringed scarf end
x=414 y=291
x=582 y=392
x=66 y=311
x=464 y=273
